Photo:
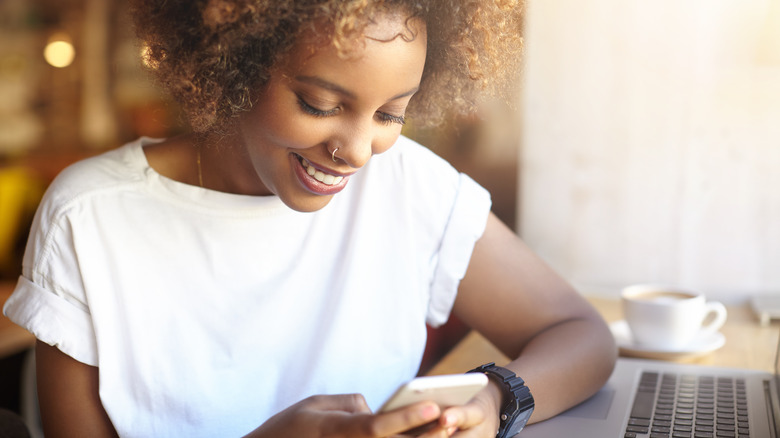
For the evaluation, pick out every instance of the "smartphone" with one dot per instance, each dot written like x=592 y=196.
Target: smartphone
x=446 y=390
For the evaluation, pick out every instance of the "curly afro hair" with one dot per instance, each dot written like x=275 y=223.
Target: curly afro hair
x=212 y=55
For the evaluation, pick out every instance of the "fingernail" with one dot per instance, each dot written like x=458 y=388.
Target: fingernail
x=429 y=412
x=449 y=420
x=451 y=431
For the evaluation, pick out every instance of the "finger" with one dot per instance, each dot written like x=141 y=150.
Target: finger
x=437 y=432
x=401 y=420
x=352 y=403
x=462 y=417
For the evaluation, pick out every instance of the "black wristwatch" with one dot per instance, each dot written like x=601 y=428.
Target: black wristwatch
x=518 y=403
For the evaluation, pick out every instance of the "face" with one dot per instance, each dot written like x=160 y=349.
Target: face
x=316 y=102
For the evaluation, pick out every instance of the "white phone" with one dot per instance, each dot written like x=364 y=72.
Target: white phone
x=446 y=390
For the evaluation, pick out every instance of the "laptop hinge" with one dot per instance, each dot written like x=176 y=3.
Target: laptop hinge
x=773 y=407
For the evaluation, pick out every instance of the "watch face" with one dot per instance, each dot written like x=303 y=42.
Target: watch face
x=519 y=423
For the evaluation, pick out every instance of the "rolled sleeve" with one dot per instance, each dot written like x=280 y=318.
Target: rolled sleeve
x=53 y=320
x=466 y=225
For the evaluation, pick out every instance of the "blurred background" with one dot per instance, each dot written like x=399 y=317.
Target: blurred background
x=71 y=85
x=651 y=143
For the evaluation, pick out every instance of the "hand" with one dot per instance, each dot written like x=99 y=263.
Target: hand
x=334 y=416
x=476 y=419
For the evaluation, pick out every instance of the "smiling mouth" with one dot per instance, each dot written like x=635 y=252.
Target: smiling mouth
x=325 y=178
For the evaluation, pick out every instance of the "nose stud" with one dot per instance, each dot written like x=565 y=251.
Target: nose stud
x=333 y=155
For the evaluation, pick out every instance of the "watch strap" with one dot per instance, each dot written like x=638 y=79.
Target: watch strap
x=517 y=401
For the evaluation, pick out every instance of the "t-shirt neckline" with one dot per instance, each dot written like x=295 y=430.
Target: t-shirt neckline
x=198 y=196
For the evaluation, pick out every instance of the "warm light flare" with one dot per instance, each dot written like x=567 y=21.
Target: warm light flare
x=59 y=52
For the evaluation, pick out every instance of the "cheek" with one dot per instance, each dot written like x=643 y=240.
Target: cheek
x=280 y=129
x=276 y=122
x=385 y=141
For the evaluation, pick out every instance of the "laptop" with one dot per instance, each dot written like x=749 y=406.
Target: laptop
x=649 y=398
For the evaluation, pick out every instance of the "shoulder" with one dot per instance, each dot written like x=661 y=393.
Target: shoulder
x=416 y=164
x=407 y=148
x=117 y=164
x=101 y=174
x=411 y=177
x=73 y=198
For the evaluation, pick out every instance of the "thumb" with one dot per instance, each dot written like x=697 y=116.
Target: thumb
x=352 y=403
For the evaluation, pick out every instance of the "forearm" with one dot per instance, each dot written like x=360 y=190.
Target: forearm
x=563 y=348
x=565 y=364
x=68 y=396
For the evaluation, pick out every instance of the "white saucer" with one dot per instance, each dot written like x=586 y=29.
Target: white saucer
x=701 y=345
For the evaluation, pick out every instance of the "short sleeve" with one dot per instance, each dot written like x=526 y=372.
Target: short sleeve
x=466 y=225
x=53 y=320
x=49 y=300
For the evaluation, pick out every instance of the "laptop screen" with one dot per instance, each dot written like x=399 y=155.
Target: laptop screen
x=777 y=363
x=774 y=396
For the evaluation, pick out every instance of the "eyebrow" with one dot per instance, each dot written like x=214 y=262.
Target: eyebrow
x=322 y=83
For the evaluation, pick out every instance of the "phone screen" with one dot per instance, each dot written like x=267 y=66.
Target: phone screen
x=446 y=390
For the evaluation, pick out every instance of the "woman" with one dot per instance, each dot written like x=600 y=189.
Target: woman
x=241 y=279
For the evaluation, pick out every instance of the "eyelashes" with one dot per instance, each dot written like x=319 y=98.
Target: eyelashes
x=309 y=109
x=389 y=118
x=385 y=118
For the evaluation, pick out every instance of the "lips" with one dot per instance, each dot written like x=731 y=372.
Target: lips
x=325 y=178
x=318 y=180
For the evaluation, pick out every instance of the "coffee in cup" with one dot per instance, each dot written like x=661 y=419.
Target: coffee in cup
x=669 y=318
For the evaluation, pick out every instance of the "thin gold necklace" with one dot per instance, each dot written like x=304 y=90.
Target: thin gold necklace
x=200 y=170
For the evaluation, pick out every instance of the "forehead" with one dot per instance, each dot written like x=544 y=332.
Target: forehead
x=382 y=62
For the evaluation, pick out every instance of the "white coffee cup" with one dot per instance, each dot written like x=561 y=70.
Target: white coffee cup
x=669 y=318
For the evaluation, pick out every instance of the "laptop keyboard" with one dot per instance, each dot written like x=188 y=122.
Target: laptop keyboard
x=670 y=405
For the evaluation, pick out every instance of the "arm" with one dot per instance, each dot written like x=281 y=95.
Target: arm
x=68 y=396
x=562 y=347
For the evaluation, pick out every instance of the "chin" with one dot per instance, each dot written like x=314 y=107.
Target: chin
x=307 y=204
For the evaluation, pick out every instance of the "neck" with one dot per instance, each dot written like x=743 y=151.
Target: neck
x=223 y=165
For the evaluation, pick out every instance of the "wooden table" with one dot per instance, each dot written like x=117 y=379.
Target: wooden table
x=748 y=345
x=13 y=339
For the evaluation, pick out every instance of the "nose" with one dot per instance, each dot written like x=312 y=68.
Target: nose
x=355 y=143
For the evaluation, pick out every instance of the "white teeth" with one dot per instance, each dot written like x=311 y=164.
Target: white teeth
x=320 y=176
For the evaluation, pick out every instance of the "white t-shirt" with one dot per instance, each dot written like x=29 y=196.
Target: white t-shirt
x=208 y=312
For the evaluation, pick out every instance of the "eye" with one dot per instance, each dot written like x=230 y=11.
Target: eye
x=387 y=118
x=314 y=111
